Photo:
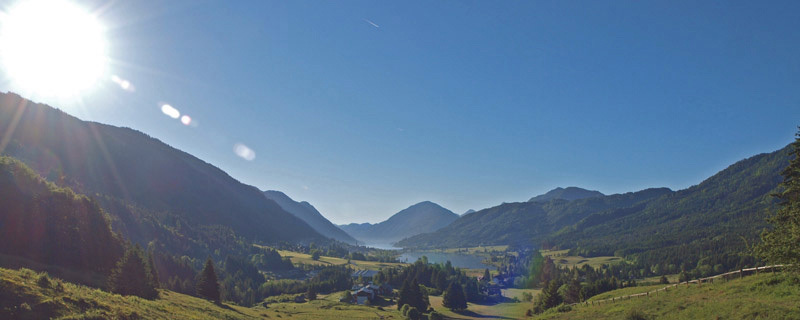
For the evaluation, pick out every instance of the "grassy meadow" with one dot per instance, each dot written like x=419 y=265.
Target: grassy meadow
x=561 y=258
x=23 y=295
x=298 y=258
x=764 y=296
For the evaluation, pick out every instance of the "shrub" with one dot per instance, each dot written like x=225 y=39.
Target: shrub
x=635 y=314
x=404 y=309
x=527 y=297
x=435 y=316
x=43 y=281
x=413 y=314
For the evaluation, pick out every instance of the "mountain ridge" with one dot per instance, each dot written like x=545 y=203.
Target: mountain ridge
x=310 y=215
x=146 y=185
x=425 y=216
x=568 y=193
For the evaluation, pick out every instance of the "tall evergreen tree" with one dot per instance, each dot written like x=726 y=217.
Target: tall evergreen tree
x=535 y=270
x=472 y=291
x=207 y=285
x=405 y=295
x=151 y=265
x=133 y=276
x=781 y=245
x=420 y=300
x=549 y=296
x=454 y=298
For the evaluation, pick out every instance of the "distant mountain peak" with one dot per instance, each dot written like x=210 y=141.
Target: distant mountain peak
x=468 y=212
x=310 y=215
x=568 y=193
x=425 y=216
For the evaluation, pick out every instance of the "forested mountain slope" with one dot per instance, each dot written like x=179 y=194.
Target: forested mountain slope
x=708 y=225
x=524 y=223
x=310 y=215
x=568 y=193
x=719 y=216
x=151 y=189
x=53 y=226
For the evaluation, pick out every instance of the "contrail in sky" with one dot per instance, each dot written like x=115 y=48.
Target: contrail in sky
x=372 y=23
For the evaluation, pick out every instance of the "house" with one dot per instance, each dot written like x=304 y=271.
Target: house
x=363 y=295
x=498 y=279
x=364 y=274
x=494 y=289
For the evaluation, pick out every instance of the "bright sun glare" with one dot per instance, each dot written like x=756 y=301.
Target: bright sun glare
x=51 y=47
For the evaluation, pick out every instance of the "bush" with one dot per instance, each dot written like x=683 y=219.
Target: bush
x=413 y=314
x=564 y=308
x=404 y=309
x=635 y=314
x=435 y=316
x=527 y=297
x=43 y=281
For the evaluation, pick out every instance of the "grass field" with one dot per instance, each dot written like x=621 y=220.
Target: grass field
x=765 y=296
x=303 y=258
x=560 y=258
x=478 y=250
x=517 y=293
x=509 y=310
x=22 y=297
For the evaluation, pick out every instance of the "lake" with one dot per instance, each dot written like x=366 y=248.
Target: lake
x=458 y=260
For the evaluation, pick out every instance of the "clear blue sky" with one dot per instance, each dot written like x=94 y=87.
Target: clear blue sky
x=364 y=108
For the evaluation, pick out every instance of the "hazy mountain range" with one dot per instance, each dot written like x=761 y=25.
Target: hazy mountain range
x=420 y=218
x=310 y=215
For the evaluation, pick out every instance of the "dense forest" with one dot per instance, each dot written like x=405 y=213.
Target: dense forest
x=52 y=225
x=705 y=229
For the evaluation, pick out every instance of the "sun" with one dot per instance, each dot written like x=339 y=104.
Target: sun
x=51 y=47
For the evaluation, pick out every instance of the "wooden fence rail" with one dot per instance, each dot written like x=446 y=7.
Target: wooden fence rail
x=728 y=275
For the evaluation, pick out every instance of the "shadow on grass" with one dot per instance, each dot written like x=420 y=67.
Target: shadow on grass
x=473 y=314
x=226 y=307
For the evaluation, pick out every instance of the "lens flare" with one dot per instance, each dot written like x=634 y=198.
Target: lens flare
x=186 y=120
x=244 y=152
x=123 y=84
x=170 y=111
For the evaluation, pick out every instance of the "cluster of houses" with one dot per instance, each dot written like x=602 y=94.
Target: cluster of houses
x=498 y=282
x=363 y=293
x=367 y=292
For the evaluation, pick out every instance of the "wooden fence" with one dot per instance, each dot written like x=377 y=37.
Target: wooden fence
x=725 y=276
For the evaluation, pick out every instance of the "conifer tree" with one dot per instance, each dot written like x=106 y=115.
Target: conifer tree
x=133 y=276
x=151 y=265
x=781 y=245
x=472 y=291
x=405 y=295
x=311 y=293
x=454 y=298
x=419 y=300
x=549 y=296
x=207 y=285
